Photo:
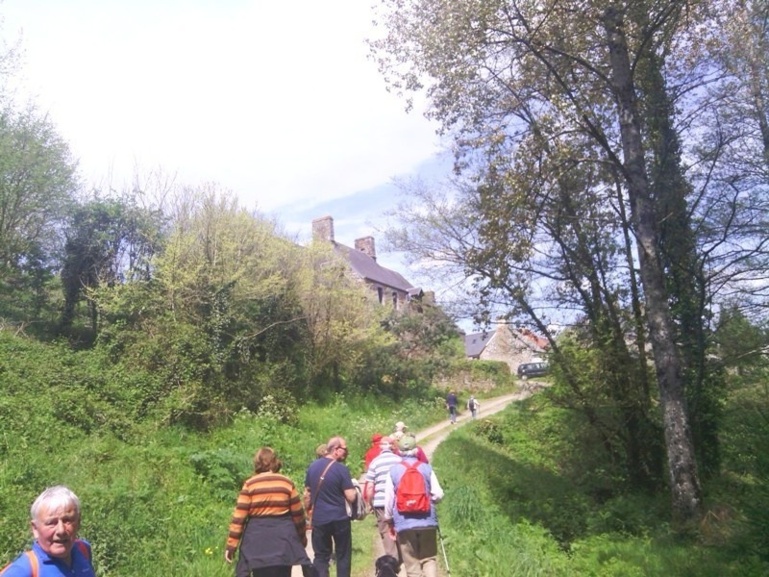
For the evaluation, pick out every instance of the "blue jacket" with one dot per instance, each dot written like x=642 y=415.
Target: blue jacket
x=51 y=566
x=416 y=520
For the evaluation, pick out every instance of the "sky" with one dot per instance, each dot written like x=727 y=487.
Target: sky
x=276 y=101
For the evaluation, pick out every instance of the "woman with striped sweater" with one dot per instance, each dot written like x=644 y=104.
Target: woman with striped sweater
x=268 y=523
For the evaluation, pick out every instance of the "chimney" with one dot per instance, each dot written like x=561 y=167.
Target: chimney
x=323 y=229
x=366 y=246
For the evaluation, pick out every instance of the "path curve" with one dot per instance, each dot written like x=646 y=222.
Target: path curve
x=430 y=438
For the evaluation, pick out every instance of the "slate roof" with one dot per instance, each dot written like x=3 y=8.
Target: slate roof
x=476 y=342
x=368 y=268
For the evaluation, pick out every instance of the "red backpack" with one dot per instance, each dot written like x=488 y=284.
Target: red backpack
x=411 y=496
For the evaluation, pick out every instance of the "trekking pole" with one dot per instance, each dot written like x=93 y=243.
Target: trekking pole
x=443 y=548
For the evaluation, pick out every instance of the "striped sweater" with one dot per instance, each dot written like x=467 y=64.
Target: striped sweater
x=265 y=495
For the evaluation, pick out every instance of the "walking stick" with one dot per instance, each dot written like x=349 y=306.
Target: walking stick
x=443 y=548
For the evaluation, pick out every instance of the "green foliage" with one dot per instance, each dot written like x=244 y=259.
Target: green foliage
x=746 y=456
x=109 y=240
x=37 y=190
x=609 y=395
x=533 y=511
x=480 y=375
x=740 y=343
x=489 y=429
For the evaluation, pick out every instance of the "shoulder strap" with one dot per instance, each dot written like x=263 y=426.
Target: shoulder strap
x=35 y=565
x=320 y=482
x=33 y=562
x=83 y=548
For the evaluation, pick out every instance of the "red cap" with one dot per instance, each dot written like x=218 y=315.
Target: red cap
x=376 y=437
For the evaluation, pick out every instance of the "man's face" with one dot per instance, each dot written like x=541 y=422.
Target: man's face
x=56 y=530
x=341 y=451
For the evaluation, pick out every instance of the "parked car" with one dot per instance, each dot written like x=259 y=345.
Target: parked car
x=526 y=370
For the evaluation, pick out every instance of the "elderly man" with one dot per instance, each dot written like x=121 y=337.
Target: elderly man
x=56 y=552
x=376 y=479
x=415 y=530
x=327 y=485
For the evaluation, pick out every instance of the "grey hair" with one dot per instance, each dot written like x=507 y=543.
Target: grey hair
x=333 y=444
x=55 y=498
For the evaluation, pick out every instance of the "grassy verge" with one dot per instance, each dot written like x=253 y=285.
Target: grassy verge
x=363 y=553
x=160 y=503
x=513 y=508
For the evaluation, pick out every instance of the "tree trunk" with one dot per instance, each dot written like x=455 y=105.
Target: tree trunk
x=684 y=481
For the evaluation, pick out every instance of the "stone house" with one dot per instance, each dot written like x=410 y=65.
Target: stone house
x=389 y=287
x=505 y=343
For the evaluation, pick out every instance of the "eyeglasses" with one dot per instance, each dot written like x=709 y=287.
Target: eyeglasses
x=343 y=448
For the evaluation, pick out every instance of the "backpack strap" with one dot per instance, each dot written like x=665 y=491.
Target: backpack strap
x=33 y=563
x=84 y=549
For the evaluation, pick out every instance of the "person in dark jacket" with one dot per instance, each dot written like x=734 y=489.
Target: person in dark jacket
x=451 y=405
x=327 y=485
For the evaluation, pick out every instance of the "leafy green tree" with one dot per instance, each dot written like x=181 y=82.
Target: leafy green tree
x=341 y=320
x=109 y=241
x=38 y=185
x=741 y=344
x=551 y=109
x=219 y=321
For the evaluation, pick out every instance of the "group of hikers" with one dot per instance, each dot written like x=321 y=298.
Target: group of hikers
x=270 y=522
x=452 y=403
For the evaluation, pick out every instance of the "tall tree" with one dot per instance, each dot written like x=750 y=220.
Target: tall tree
x=109 y=240
x=38 y=185
x=516 y=84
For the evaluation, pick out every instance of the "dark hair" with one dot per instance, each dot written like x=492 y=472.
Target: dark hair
x=266 y=460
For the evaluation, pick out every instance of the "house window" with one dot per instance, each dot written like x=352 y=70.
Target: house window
x=395 y=301
x=380 y=294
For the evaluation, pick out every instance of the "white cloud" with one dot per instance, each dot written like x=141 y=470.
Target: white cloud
x=274 y=100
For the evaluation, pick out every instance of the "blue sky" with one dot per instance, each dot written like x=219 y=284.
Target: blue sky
x=276 y=101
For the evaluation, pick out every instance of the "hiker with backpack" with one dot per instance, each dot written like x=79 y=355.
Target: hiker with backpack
x=411 y=492
x=56 y=551
x=473 y=405
x=376 y=479
x=327 y=486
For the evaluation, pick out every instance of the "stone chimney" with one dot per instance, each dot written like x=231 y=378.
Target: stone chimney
x=323 y=229
x=366 y=246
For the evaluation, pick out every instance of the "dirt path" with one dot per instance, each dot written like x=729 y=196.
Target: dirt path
x=430 y=438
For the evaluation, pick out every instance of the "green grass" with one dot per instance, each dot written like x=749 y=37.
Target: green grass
x=522 y=497
x=161 y=506
x=516 y=505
